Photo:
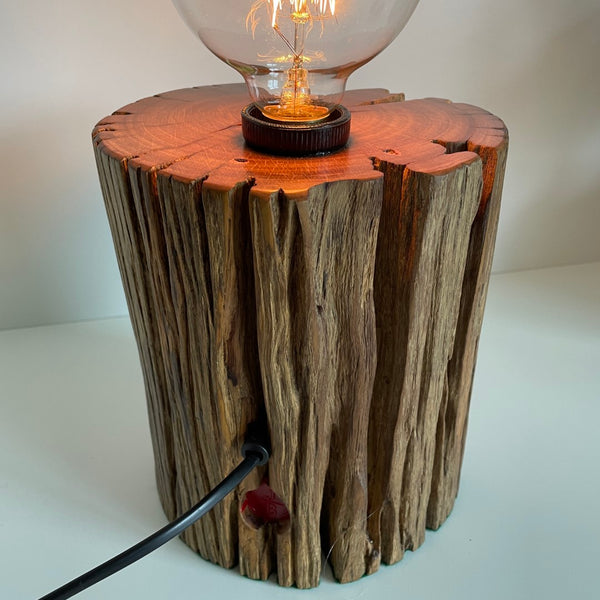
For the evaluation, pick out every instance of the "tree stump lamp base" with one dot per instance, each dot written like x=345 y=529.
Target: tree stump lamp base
x=338 y=299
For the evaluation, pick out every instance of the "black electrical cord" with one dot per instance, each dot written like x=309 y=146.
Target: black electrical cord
x=254 y=452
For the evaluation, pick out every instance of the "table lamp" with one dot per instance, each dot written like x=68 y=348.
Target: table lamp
x=320 y=310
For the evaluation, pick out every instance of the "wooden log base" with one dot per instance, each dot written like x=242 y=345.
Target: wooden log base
x=339 y=299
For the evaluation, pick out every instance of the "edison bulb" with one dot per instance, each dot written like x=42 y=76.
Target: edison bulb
x=296 y=55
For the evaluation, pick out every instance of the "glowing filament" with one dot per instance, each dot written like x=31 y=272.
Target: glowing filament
x=301 y=8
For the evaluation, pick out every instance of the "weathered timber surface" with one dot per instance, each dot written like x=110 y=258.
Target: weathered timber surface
x=337 y=298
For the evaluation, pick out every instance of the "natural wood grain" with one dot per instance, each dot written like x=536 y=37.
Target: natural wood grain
x=418 y=286
x=338 y=298
x=452 y=421
x=314 y=263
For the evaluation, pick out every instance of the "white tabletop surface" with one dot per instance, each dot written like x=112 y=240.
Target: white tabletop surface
x=77 y=483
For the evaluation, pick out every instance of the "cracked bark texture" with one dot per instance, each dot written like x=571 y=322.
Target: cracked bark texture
x=339 y=298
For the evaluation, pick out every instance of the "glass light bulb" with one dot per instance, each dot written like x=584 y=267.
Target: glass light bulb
x=296 y=55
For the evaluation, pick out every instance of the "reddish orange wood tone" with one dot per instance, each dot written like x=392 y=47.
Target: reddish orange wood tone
x=192 y=133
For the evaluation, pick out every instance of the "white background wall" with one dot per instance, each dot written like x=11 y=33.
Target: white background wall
x=66 y=64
